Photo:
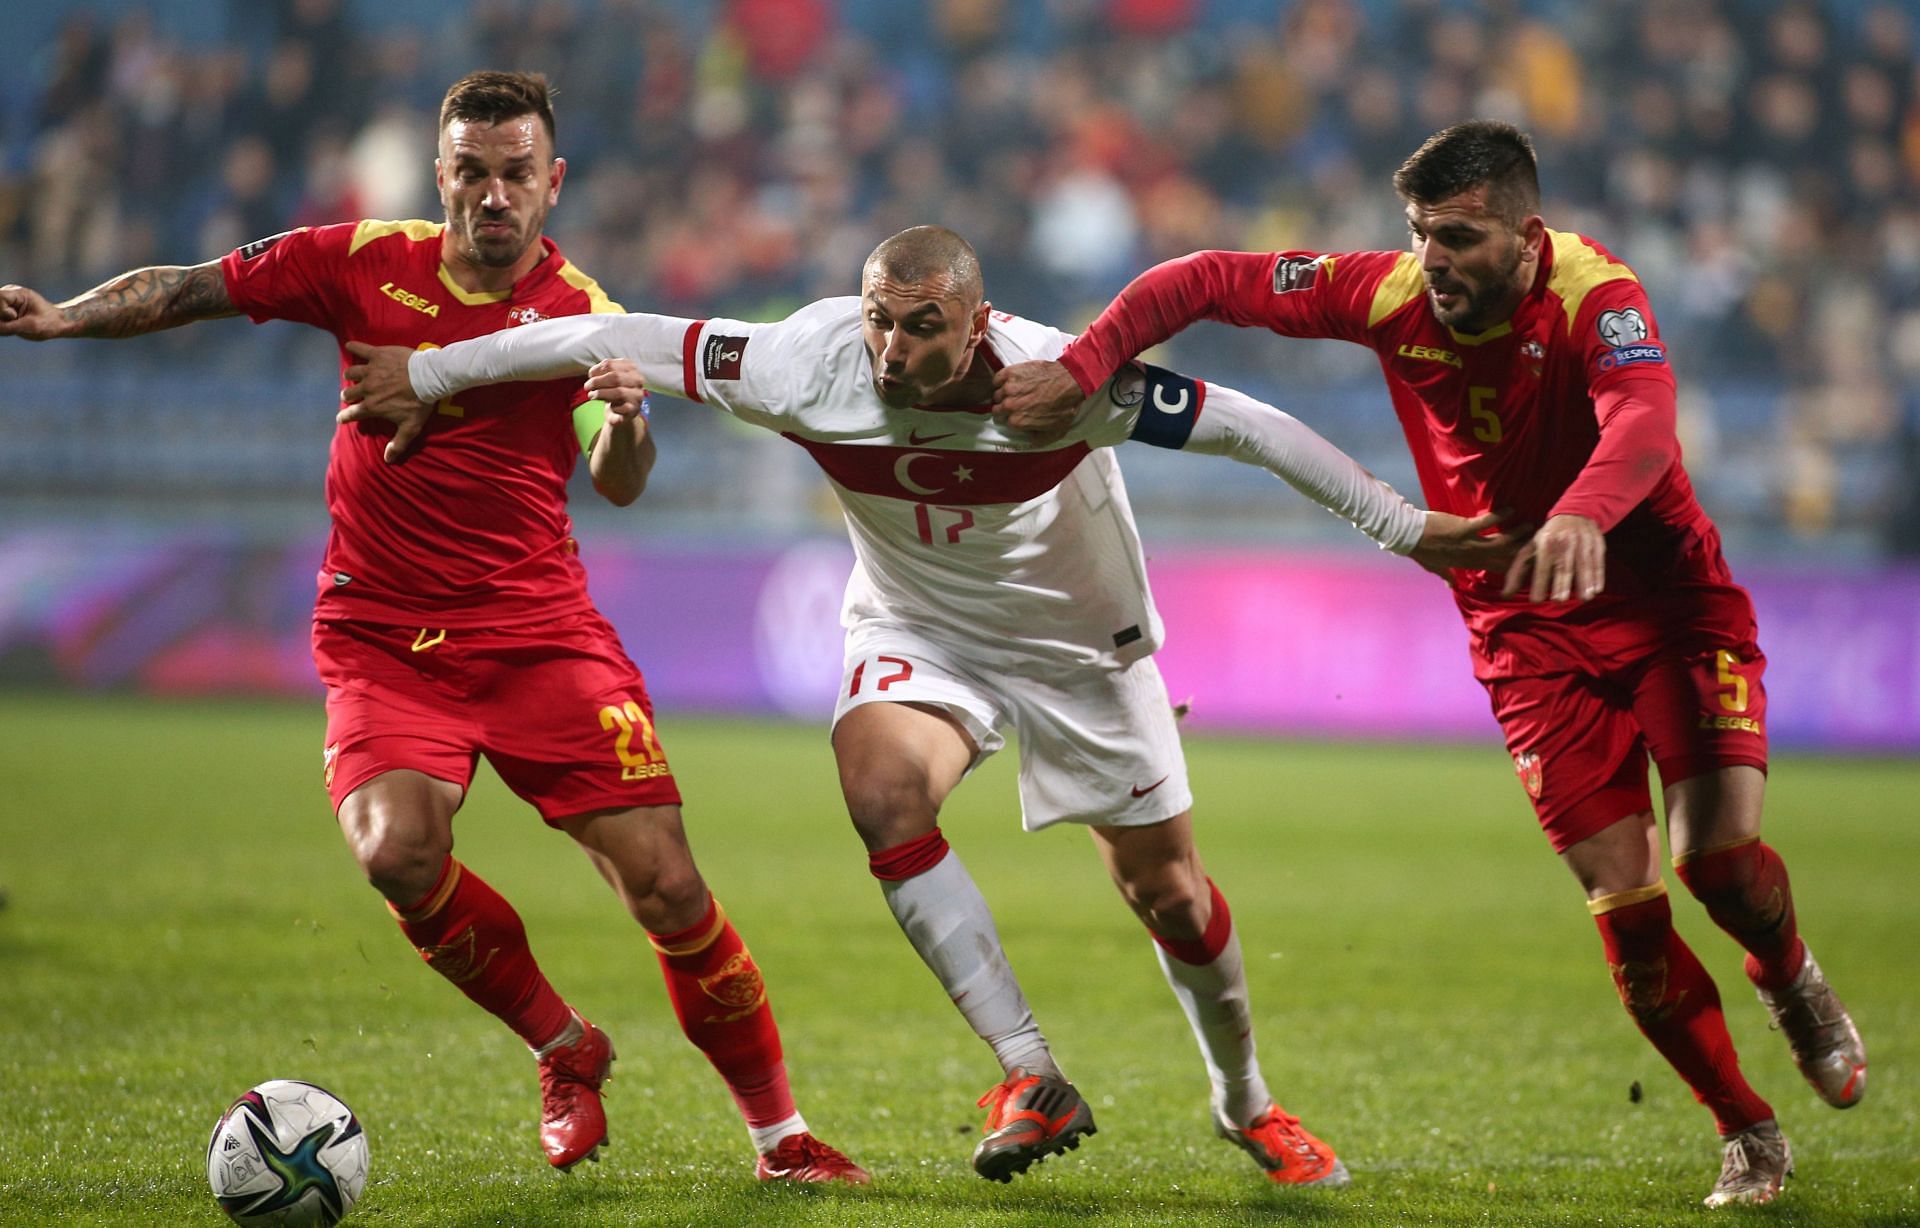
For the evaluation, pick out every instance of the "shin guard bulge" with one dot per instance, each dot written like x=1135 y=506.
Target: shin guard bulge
x=468 y=933
x=1209 y=978
x=1674 y=1002
x=946 y=919
x=1745 y=890
x=721 y=1002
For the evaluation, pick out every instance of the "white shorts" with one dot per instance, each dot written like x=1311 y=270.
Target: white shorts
x=1096 y=746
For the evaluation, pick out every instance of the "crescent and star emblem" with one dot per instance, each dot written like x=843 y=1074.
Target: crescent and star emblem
x=903 y=474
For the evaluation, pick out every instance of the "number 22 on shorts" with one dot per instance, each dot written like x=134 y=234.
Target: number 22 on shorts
x=629 y=719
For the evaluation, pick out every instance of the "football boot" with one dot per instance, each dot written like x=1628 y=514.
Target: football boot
x=1029 y=1117
x=1826 y=1046
x=573 y=1124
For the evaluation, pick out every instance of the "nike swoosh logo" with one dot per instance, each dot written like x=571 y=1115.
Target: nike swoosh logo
x=1139 y=792
x=916 y=439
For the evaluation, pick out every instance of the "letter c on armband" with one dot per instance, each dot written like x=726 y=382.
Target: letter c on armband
x=1172 y=405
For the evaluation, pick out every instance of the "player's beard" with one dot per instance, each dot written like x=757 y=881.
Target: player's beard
x=1479 y=303
x=498 y=250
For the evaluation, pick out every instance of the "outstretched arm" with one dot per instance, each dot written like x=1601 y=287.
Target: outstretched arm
x=1043 y=396
x=553 y=349
x=1177 y=412
x=143 y=301
x=394 y=384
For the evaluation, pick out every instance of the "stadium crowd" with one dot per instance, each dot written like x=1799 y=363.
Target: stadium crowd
x=1757 y=163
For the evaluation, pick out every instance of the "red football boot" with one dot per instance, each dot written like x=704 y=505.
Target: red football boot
x=573 y=1124
x=804 y=1158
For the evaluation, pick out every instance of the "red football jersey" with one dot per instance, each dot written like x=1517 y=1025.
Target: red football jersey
x=471 y=531
x=1508 y=418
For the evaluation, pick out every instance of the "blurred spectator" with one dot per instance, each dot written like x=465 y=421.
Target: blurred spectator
x=1759 y=165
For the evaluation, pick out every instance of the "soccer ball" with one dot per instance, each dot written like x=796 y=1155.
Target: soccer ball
x=287 y=1153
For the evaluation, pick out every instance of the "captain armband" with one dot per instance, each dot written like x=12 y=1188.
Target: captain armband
x=1169 y=403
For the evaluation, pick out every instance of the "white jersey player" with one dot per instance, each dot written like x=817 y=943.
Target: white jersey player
x=998 y=584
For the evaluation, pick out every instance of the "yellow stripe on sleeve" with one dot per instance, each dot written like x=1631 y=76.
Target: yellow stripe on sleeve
x=1398 y=288
x=414 y=228
x=600 y=304
x=1579 y=270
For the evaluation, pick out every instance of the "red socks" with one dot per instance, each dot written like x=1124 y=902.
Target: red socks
x=910 y=859
x=1206 y=948
x=722 y=1005
x=469 y=934
x=1744 y=887
x=1673 y=1000
x=472 y=936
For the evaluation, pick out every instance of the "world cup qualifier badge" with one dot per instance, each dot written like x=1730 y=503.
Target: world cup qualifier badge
x=1292 y=273
x=721 y=357
x=260 y=247
x=1526 y=765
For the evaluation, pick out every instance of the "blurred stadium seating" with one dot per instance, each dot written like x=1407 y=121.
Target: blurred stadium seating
x=1756 y=163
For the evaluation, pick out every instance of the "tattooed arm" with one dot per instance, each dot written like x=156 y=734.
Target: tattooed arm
x=143 y=301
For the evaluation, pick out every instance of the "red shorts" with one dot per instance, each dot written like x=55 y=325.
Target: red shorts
x=1581 y=735
x=556 y=707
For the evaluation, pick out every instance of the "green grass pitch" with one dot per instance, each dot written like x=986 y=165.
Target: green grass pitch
x=184 y=921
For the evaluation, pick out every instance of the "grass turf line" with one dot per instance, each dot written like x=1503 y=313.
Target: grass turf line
x=184 y=921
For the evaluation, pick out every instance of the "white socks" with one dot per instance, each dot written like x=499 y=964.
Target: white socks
x=945 y=918
x=766 y=1138
x=1214 y=996
x=569 y=1035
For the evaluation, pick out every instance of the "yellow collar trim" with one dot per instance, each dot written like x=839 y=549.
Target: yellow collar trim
x=472 y=298
x=1494 y=333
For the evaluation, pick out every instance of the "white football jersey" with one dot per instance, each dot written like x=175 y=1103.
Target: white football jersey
x=958 y=527
x=1025 y=555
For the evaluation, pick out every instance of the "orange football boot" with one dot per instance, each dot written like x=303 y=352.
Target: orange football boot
x=1029 y=1117
x=1284 y=1148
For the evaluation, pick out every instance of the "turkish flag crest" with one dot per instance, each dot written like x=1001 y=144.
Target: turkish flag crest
x=1526 y=765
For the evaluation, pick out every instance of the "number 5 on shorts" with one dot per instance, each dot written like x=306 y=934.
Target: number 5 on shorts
x=1736 y=701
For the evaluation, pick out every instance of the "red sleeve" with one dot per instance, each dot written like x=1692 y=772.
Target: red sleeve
x=1637 y=445
x=1297 y=294
x=1633 y=394
x=1617 y=337
x=289 y=276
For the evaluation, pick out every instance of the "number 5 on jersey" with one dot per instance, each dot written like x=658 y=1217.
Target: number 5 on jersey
x=1486 y=423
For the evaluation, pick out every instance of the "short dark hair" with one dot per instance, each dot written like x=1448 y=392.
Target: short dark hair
x=488 y=96
x=920 y=252
x=1479 y=152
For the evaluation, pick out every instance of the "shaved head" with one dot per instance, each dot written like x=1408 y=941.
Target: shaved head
x=924 y=254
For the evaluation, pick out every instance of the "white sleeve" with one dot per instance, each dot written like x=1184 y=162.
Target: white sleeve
x=1171 y=411
x=554 y=349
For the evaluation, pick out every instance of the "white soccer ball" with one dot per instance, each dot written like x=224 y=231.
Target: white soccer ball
x=287 y=1153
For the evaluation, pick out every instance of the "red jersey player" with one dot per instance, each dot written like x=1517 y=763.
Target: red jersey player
x=472 y=633
x=1528 y=374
